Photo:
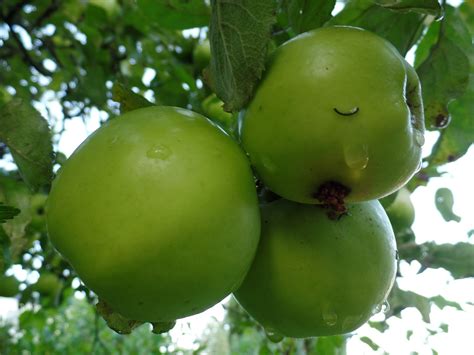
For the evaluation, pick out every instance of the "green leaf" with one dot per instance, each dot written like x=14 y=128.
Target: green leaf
x=424 y=46
x=15 y=193
x=445 y=328
x=116 y=321
x=305 y=15
x=93 y=85
x=5 y=256
x=27 y=136
x=441 y=302
x=239 y=35
x=175 y=14
x=72 y=10
x=444 y=201
x=4 y=96
x=422 y=177
x=370 y=343
x=428 y=7
x=458 y=258
x=444 y=74
x=7 y=212
x=380 y=326
x=128 y=100
x=331 y=345
x=456 y=139
x=401 y=29
x=399 y=300
x=467 y=12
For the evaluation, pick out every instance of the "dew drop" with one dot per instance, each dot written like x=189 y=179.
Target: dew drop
x=385 y=307
x=420 y=165
x=377 y=309
x=161 y=152
x=442 y=120
x=273 y=335
x=356 y=156
x=330 y=317
x=419 y=138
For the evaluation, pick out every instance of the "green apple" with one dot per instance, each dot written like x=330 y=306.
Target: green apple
x=314 y=276
x=337 y=104
x=157 y=212
x=401 y=211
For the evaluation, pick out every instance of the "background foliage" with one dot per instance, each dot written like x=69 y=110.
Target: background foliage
x=60 y=60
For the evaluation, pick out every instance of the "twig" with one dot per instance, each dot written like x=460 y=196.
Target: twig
x=9 y=16
x=47 y=13
x=26 y=55
x=97 y=340
x=48 y=44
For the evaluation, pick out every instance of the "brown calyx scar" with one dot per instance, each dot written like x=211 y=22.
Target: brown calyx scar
x=332 y=194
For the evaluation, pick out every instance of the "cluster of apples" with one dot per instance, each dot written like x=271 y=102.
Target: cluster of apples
x=158 y=212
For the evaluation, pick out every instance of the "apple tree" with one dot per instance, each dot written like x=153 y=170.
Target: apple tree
x=84 y=63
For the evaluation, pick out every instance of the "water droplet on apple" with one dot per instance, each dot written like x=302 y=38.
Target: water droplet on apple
x=385 y=307
x=159 y=151
x=356 y=156
x=330 y=317
x=273 y=335
x=419 y=138
x=376 y=309
x=420 y=165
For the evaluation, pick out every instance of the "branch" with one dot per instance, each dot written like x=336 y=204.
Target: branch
x=49 y=45
x=26 y=55
x=6 y=51
x=9 y=16
x=51 y=9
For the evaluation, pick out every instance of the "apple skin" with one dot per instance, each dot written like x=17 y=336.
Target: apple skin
x=297 y=141
x=314 y=276
x=401 y=211
x=158 y=214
